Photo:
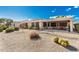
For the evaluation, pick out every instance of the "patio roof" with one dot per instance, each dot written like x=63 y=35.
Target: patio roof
x=55 y=19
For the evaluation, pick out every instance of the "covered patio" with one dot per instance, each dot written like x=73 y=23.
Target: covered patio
x=58 y=24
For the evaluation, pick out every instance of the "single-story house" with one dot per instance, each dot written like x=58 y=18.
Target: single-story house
x=62 y=23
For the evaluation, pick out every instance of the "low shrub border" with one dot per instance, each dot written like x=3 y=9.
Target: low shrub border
x=10 y=29
x=1 y=29
x=62 y=42
x=16 y=28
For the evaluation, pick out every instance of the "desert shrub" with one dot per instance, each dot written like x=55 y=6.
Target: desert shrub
x=1 y=29
x=4 y=27
x=56 y=39
x=16 y=28
x=34 y=36
x=10 y=29
x=62 y=42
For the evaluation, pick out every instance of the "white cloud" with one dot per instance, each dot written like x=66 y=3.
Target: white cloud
x=76 y=20
x=76 y=6
x=52 y=17
x=70 y=16
x=68 y=9
x=76 y=17
x=53 y=10
x=29 y=19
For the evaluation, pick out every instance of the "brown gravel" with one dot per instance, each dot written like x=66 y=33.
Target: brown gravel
x=19 y=41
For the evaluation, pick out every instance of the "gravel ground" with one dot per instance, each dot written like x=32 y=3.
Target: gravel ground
x=19 y=41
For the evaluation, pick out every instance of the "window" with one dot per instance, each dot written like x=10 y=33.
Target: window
x=53 y=24
x=44 y=24
x=63 y=24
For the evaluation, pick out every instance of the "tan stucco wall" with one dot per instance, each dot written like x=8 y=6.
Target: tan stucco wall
x=51 y=20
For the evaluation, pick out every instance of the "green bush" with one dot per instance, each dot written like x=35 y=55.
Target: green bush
x=16 y=28
x=4 y=27
x=62 y=42
x=1 y=29
x=10 y=29
x=56 y=39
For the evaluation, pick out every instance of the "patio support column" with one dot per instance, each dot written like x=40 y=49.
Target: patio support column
x=29 y=24
x=71 y=26
x=47 y=24
x=41 y=25
x=56 y=24
x=68 y=24
x=34 y=24
x=50 y=24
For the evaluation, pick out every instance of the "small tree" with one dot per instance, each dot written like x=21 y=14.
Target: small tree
x=6 y=21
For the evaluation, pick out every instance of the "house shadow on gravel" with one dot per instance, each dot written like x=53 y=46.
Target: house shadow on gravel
x=71 y=48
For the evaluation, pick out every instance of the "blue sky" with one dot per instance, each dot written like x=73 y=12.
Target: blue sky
x=38 y=12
